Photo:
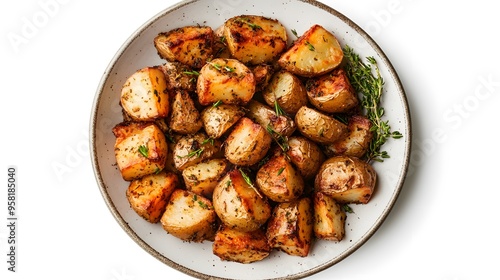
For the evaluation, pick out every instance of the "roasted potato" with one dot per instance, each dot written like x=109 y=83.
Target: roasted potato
x=179 y=76
x=290 y=228
x=219 y=119
x=190 y=45
x=192 y=149
x=149 y=195
x=306 y=155
x=279 y=180
x=346 y=179
x=319 y=127
x=329 y=218
x=225 y=80
x=255 y=39
x=238 y=246
x=185 y=118
x=357 y=141
x=239 y=204
x=144 y=95
x=202 y=177
x=189 y=216
x=287 y=90
x=332 y=92
x=281 y=125
x=140 y=149
x=315 y=53
x=247 y=143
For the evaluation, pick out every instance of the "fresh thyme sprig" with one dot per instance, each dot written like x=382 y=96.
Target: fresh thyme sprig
x=367 y=80
x=199 y=151
x=277 y=108
x=143 y=150
x=280 y=139
x=196 y=153
x=310 y=46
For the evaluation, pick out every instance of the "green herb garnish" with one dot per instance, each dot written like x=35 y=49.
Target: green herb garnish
x=366 y=79
x=247 y=21
x=347 y=208
x=143 y=150
x=196 y=153
x=192 y=73
x=216 y=104
x=281 y=170
x=281 y=140
x=310 y=46
x=209 y=140
x=248 y=181
x=277 y=108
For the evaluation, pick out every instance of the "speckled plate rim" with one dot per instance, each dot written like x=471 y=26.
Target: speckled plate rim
x=102 y=186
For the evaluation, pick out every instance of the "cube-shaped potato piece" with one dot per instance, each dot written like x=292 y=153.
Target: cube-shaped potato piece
x=329 y=218
x=190 y=45
x=357 y=142
x=140 y=149
x=255 y=39
x=202 y=177
x=287 y=91
x=346 y=179
x=239 y=204
x=149 y=195
x=189 y=216
x=279 y=180
x=192 y=149
x=144 y=95
x=219 y=119
x=315 y=53
x=225 y=80
x=247 y=143
x=185 y=118
x=290 y=228
x=332 y=92
x=239 y=246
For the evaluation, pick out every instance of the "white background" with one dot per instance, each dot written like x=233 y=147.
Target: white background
x=445 y=225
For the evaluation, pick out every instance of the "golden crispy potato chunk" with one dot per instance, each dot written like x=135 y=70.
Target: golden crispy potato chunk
x=238 y=204
x=149 y=195
x=190 y=45
x=225 y=80
x=290 y=228
x=202 y=177
x=287 y=90
x=189 y=216
x=319 y=127
x=144 y=95
x=329 y=218
x=239 y=246
x=255 y=39
x=315 y=53
x=279 y=180
x=332 y=93
x=140 y=149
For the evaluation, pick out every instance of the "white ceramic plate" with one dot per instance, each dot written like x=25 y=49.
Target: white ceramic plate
x=197 y=259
